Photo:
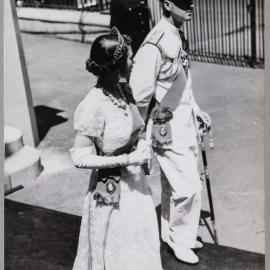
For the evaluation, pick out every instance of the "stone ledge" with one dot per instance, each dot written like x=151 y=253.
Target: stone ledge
x=23 y=166
x=64 y=16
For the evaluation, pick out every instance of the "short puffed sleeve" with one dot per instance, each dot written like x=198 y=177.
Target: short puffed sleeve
x=89 y=120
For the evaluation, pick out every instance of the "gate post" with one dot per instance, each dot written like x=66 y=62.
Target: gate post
x=253 y=32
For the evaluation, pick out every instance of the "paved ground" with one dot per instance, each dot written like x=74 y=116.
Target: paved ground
x=234 y=98
x=50 y=241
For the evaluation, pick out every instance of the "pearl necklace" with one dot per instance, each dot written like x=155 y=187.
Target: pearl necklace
x=121 y=102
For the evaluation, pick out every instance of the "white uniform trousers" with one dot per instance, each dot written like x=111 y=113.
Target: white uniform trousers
x=181 y=195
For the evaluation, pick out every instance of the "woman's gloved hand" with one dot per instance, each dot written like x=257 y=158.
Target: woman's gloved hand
x=141 y=155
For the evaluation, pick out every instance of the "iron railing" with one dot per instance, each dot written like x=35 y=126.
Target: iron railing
x=221 y=31
x=224 y=31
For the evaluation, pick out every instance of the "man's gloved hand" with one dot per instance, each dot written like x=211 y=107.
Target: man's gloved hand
x=204 y=121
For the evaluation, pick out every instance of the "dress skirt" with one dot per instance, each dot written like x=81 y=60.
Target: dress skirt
x=122 y=238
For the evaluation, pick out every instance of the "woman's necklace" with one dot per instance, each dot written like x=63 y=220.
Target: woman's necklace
x=121 y=102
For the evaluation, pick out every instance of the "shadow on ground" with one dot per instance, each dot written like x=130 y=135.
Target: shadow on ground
x=47 y=117
x=42 y=239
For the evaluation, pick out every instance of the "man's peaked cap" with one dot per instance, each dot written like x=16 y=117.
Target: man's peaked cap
x=183 y=4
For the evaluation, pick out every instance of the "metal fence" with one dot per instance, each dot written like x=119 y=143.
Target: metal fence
x=224 y=31
x=221 y=31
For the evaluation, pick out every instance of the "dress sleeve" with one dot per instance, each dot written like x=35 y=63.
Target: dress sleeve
x=89 y=120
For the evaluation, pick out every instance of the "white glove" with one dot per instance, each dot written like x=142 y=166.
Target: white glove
x=204 y=121
x=141 y=155
x=83 y=157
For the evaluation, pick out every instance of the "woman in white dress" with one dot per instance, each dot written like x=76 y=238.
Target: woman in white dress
x=119 y=228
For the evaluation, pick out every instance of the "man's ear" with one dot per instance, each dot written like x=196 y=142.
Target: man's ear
x=167 y=5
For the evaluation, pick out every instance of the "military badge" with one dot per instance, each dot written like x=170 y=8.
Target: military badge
x=161 y=130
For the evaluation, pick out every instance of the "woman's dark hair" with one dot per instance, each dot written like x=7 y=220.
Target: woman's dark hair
x=102 y=55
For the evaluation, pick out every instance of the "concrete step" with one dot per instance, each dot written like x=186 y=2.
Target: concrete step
x=13 y=140
x=23 y=166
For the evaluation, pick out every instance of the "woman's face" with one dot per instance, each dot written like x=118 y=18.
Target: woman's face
x=127 y=67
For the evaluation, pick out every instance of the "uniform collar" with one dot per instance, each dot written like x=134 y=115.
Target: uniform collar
x=169 y=26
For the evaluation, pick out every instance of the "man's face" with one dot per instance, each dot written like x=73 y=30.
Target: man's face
x=181 y=12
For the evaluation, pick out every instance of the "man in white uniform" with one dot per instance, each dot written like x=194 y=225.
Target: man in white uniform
x=161 y=71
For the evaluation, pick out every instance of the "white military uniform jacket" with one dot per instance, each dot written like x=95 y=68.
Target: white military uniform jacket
x=156 y=66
